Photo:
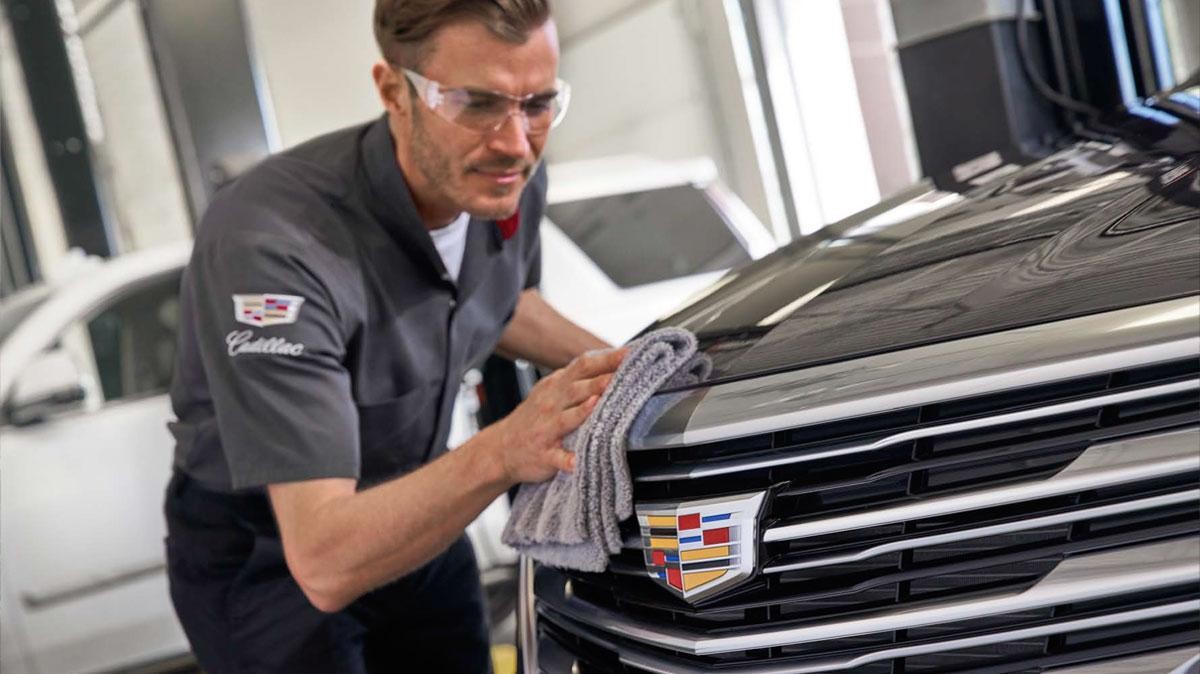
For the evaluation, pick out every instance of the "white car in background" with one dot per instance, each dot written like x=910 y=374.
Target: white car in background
x=86 y=361
x=628 y=239
x=84 y=457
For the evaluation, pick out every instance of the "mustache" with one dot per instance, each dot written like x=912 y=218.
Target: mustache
x=503 y=166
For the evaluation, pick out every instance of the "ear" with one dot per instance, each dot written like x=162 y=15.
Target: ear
x=389 y=85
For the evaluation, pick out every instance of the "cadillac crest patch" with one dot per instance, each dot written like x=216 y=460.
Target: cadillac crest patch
x=265 y=310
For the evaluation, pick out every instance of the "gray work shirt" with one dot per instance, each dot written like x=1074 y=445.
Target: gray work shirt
x=321 y=336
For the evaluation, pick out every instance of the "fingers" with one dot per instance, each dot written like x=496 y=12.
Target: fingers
x=595 y=363
x=570 y=419
x=579 y=391
x=562 y=459
x=561 y=403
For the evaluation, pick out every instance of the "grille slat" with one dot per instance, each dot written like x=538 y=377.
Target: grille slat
x=1174 y=622
x=1133 y=460
x=665 y=465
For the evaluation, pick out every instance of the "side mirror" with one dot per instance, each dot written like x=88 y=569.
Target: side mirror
x=51 y=384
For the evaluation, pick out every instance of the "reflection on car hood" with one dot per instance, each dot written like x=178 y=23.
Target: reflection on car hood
x=1093 y=228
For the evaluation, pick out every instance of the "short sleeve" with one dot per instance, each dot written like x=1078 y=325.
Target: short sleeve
x=273 y=344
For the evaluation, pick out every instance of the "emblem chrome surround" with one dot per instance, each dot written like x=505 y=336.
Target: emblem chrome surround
x=696 y=548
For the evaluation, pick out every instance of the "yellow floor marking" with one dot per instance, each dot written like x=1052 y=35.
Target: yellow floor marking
x=504 y=659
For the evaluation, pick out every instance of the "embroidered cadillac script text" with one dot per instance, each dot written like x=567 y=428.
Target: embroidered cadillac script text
x=243 y=341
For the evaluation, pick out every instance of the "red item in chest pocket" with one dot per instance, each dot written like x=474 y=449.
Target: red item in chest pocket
x=508 y=226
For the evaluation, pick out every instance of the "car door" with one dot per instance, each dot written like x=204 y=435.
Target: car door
x=81 y=494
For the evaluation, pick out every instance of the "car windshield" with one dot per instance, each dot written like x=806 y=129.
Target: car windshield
x=652 y=235
x=14 y=308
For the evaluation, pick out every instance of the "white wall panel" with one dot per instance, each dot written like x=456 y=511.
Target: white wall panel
x=884 y=101
x=134 y=154
x=317 y=57
x=637 y=87
x=576 y=18
x=657 y=78
x=1182 y=19
x=834 y=132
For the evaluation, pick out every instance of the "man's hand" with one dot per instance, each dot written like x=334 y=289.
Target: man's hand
x=528 y=441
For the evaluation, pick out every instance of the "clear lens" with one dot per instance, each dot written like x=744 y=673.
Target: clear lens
x=485 y=111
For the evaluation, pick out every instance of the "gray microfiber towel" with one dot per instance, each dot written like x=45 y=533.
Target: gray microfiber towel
x=571 y=521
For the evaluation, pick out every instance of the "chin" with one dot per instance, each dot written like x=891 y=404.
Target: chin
x=493 y=213
x=495 y=208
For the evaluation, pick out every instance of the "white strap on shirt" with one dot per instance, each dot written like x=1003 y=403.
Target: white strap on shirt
x=451 y=243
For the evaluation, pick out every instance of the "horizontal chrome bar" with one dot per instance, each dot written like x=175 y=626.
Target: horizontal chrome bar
x=993 y=530
x=1176 y=661
x=1102 y=465
x=1106 y=574
x=653 y=662
x=38 y=600
x=682 y=471
x=1001 y=361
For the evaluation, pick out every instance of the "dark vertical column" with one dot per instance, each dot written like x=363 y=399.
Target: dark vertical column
x=38 y=35
x=18 y=266
x=214 y=98
x=968 y=90
x=1100 y=50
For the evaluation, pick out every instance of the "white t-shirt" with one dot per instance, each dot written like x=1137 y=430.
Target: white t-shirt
x=451 y=243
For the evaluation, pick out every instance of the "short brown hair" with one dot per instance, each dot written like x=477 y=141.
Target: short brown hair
x=403 y=27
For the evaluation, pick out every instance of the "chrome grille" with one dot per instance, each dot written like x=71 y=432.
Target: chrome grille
x=878 y=528
x=566 y=646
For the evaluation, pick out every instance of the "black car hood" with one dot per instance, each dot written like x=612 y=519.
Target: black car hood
x=1093 y=228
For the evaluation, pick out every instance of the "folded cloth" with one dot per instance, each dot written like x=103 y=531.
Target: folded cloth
x=571 y=521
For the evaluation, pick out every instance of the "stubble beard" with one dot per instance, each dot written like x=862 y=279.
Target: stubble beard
x=438 y=169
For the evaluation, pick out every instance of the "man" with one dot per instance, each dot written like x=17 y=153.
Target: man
x=335 y=297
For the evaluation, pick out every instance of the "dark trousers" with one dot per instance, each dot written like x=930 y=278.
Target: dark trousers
x=243 y=613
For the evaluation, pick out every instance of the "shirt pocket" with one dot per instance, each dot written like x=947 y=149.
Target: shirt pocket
x=394 y=434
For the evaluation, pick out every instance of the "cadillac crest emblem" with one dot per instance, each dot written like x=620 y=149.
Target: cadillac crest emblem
x=695 y=548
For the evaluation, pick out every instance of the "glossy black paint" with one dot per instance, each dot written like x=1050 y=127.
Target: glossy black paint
x=1098 y=226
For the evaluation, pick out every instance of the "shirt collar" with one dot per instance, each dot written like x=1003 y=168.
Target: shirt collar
x=390 y=201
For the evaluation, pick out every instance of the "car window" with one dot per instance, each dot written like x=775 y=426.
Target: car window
x=133 y=341
x=653 y=235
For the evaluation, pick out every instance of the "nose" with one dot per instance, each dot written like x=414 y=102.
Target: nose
x=511 y=138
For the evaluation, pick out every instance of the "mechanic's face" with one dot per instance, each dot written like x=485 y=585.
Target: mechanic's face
x=449 y=168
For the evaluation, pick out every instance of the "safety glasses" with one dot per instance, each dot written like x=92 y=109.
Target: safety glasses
x=486 y=111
